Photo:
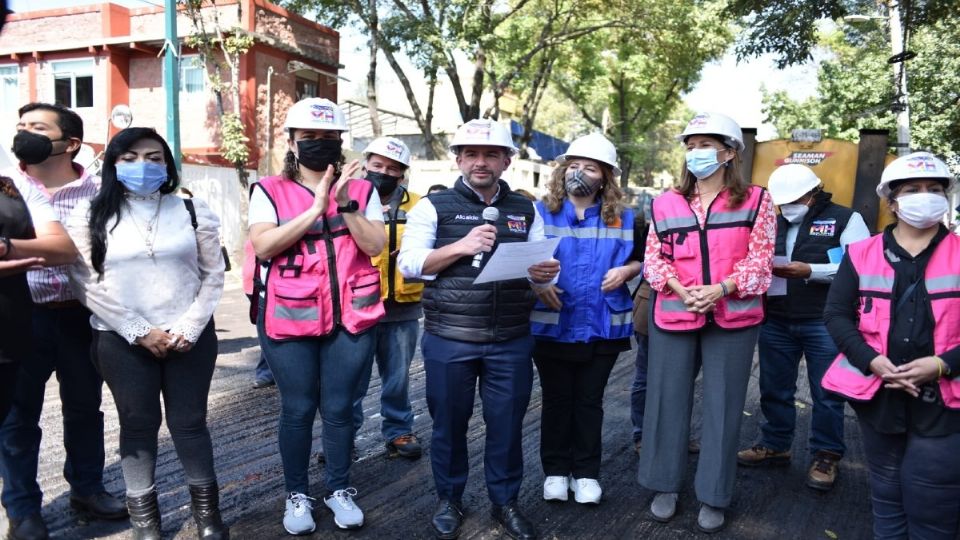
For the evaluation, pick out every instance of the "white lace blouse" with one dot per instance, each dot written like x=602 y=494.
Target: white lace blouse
x=176 y=290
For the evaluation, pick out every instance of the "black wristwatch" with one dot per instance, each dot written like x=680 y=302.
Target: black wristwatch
x=6 y=242
x=349 y=208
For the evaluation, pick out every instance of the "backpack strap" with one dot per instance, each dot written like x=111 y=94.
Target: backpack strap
x=193 y=212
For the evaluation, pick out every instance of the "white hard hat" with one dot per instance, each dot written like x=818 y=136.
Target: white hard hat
x=315 y=113
x=593 y=146
x=389 y=147
x=915 y=166
x=708 y=123
x=483 y=132
x=790 y=182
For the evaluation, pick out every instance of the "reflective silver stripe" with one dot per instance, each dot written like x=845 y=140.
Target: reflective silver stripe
x=296 y=314
x=545 y=317
x=401 y=214
x=365 y=301
x=672 y=305
x=588 y=232
x=718 y=218
x=845 y=364
x=666 y=224
x=870 y=281
x=620 y=319
x=746 y=304
x=943 y=283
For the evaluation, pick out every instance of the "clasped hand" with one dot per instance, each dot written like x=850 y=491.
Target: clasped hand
x=701 y=299
x=159 y=343
x=907 y=377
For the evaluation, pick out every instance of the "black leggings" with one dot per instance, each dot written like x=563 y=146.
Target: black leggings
x=137 y=379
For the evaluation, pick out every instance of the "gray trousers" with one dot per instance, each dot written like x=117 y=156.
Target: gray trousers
x=727 y=358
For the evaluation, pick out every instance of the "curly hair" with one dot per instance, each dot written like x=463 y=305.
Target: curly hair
x=610 y=193
x=8 y=188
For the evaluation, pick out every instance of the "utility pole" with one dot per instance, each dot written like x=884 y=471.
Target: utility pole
x=171 y=79
x=899 y=61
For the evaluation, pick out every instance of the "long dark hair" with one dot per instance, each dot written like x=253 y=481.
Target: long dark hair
x=109 y=201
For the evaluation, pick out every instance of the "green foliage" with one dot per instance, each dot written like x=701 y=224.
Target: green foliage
x=234 y=142
x=856 y=89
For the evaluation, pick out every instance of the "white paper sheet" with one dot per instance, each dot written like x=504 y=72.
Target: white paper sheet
x=510 y=261
x=778 y=286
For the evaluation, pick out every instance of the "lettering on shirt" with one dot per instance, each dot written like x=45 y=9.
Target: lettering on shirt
x=823 y=227
x=467 y=217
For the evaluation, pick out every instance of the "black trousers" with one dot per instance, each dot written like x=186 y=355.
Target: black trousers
x=572 y=418
x=137 y=380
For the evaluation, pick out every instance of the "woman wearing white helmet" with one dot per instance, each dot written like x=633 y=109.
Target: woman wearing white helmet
x=582 y=323
x=315 y=229
x=708 y=260
x=894 y=312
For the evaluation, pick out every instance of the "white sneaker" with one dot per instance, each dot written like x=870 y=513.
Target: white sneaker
x=586 y=490
x=298 y=516
x=555 y=488
x=346 y=514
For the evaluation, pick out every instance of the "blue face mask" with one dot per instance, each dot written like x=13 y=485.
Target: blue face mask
x=702 y=162
x=142 y=177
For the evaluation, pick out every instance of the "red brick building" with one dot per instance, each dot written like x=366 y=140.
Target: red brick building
x=94 y=57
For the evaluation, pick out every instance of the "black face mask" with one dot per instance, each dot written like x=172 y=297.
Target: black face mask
x=385 y=183
x=317 y=154
x=32 y=149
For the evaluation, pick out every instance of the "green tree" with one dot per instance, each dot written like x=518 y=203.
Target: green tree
x=627 y=81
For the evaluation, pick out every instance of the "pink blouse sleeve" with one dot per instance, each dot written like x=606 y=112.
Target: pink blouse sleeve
x=754 y=273
x=655 y=268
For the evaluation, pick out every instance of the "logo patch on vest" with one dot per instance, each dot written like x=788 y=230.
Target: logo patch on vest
x=823 y=227
x=517 y=224
x=467 y=217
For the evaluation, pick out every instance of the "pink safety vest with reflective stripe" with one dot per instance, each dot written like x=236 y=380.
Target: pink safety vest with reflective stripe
x=942 y=281
x=324 y=279
x=704 y=256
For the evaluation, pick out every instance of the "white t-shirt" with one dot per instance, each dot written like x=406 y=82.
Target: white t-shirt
x=41 y=211
x=262 y=211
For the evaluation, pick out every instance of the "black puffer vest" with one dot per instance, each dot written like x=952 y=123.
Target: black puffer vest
x=455 y=308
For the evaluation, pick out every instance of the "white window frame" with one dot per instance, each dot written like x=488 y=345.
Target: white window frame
x=192 y=62
x=14 y=100
x=73 y=75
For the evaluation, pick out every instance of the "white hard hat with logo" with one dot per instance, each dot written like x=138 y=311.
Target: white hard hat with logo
x=790 y=182
x=483 y=132
x=389 y=147
x=915 y=166
x=315 y=113
x=593 y=146
x=709 y=123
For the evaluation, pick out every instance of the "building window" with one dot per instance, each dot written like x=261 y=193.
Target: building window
x=73 y=83
x=193 y=77
x=306 y=88
x=9 y=87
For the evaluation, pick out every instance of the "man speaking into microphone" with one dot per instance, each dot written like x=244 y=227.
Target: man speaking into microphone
x=475 y=331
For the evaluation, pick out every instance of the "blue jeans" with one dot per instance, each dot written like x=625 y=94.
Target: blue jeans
x=262 y=371
x=914 y=484
x=782 y=343
x=638 y=390
x=505 y=372
x=396 y=342
x=61 y=344
x=317 y=373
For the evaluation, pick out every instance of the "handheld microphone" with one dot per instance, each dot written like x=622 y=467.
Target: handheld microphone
x=490 y=217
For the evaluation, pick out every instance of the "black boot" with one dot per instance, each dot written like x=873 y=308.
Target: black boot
x=144 y=516
x=205 y=501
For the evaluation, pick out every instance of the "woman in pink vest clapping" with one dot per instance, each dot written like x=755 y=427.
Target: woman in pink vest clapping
x=315 y=229
x=894 y=311
x=709 y=261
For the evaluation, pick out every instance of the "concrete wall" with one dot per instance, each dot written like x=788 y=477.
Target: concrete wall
x=219 y=188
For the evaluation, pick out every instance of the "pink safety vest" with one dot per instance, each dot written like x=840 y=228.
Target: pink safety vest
x=942 y=280
x=704 y=256
x=323 y=279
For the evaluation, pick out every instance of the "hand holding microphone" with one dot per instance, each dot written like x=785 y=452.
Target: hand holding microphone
x=486 y=234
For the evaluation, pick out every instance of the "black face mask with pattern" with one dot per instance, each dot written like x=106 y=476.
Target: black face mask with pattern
x=317 y=154
x=578 y=185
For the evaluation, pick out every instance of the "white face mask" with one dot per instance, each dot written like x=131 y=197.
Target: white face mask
x=922 y=210
x=794 y=212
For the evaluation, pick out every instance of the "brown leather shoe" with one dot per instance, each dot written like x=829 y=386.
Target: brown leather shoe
x=824 y=470
x=407 y=446
x=761 y=455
